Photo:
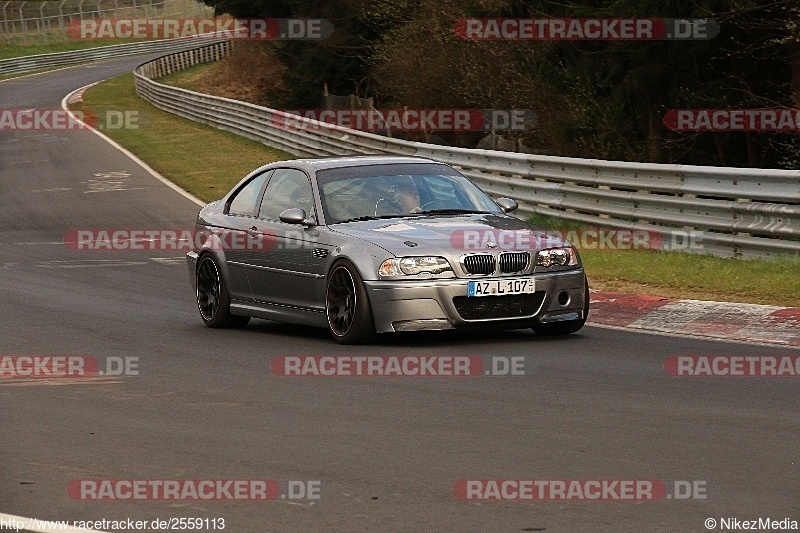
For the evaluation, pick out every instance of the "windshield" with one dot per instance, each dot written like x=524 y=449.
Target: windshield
x=387 y=191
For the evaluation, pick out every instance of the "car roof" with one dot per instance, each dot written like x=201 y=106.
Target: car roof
x=321 y=163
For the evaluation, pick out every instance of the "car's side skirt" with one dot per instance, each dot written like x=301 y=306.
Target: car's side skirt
x=306 y=316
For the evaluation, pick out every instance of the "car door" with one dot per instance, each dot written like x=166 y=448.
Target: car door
x=291 y=272
x=238 y=217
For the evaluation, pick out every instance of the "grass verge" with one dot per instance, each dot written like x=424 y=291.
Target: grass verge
x=698 y=277
x=174 y=147
x=203 y=160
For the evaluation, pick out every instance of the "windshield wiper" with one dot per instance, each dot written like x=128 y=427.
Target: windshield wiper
x=369 y=217
x=452 y=212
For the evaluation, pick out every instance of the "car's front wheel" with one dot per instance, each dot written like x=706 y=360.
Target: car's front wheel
x=347 y=306
x=212 y=296
x=568 y=326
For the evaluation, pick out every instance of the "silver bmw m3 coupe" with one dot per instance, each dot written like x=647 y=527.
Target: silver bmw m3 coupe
x=378 y=244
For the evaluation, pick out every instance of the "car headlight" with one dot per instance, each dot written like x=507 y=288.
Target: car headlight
x=557 y=257
x=412 y=266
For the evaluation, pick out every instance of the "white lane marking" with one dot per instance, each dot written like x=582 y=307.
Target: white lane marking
x=41 y=527
x=168 y=260
x=45 y=137
x=54 y=189
x=109 y=182
x=135 y=159
x=39 y=137
x=110 y=187
x=117 y=174
x=34 y=74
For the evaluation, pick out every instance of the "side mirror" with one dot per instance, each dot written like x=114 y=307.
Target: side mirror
x=294 y=215
x=507 y=204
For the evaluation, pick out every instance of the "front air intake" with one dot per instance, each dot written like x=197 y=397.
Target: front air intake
x=479 y=264
x=514 y=262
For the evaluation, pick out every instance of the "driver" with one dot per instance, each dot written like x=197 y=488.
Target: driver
x=407 y=197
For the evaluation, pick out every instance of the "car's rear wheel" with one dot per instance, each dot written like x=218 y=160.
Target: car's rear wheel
x=568 y=326
x=347 y=306
x=212 y=296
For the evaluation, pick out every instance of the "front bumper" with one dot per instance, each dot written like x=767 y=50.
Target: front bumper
x=423 y=305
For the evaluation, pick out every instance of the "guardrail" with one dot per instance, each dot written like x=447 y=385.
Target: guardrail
x=729 y=212
x=18 y=65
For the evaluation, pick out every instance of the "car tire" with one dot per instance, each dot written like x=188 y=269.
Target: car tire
x=213 y=300
x=347 y=307
x=568 y=326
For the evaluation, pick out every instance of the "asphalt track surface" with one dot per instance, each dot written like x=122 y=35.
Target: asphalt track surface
x=205 y=405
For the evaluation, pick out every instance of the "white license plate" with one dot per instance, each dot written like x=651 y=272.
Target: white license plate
x=501 y=287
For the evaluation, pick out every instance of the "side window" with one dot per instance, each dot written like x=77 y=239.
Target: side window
x=244 y=203
x=288 y=188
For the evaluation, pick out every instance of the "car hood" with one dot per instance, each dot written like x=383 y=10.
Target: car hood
x=451 y=234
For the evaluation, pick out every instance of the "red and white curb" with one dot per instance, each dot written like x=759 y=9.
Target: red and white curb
x=763 y=324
